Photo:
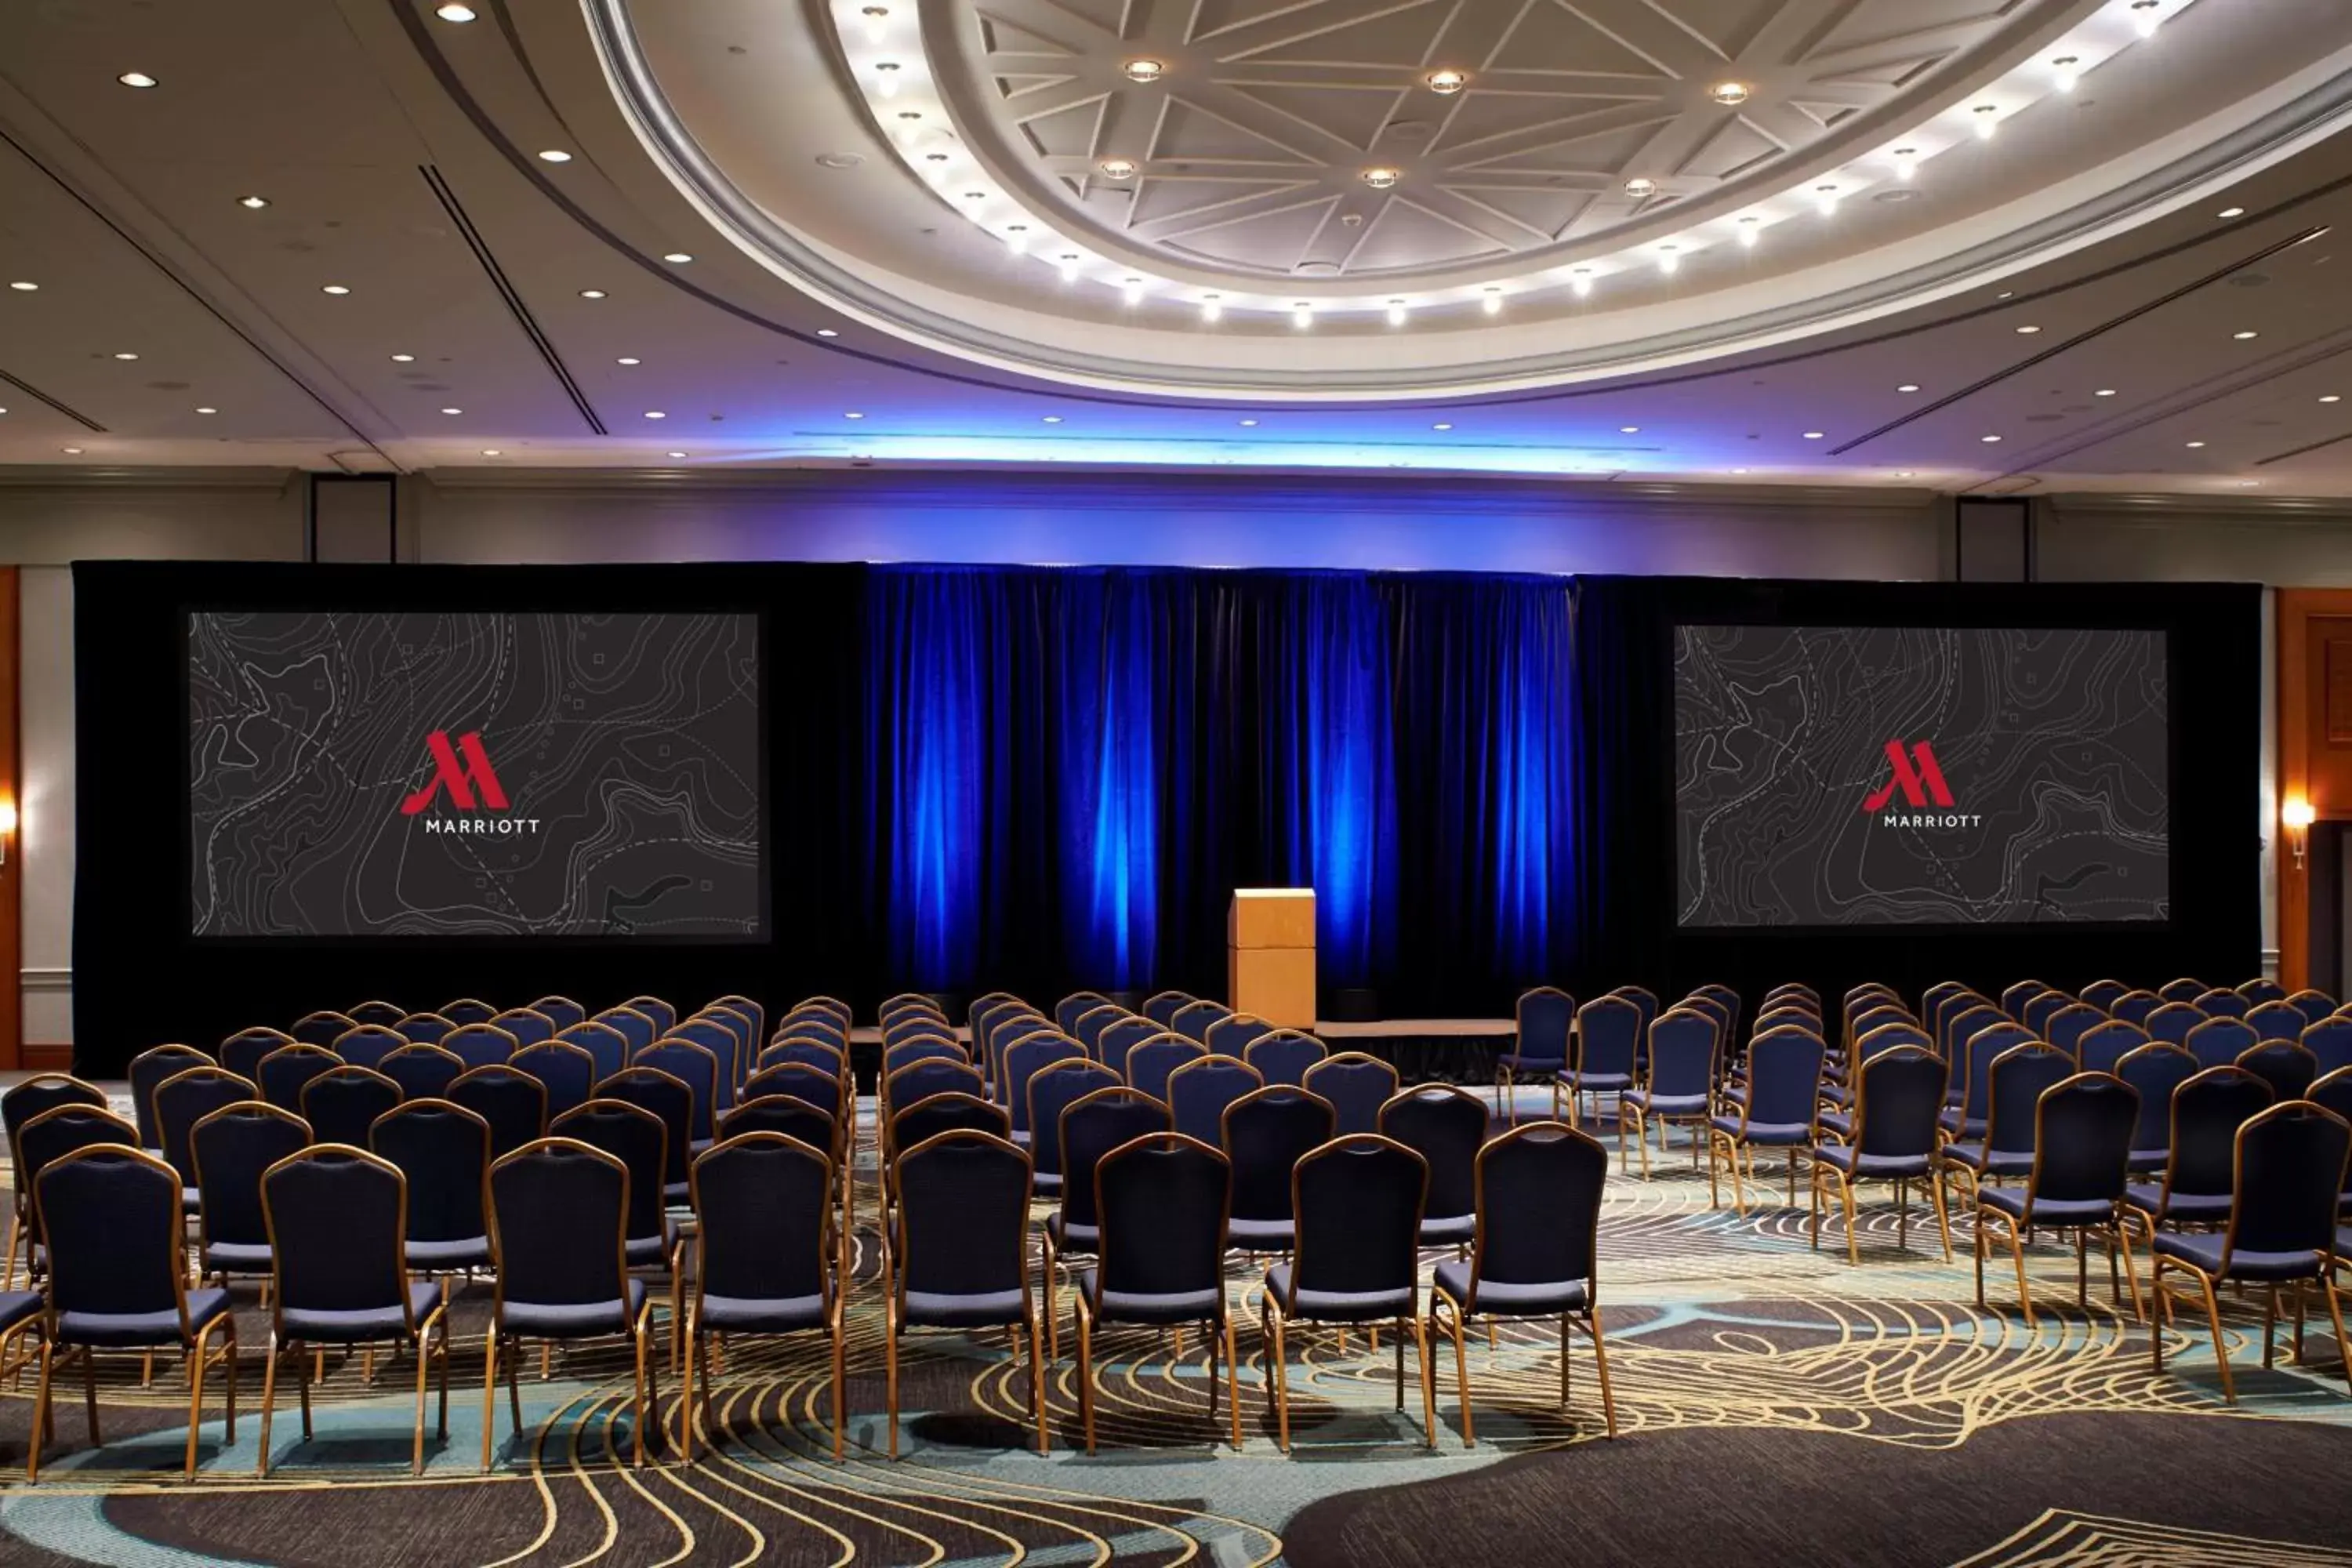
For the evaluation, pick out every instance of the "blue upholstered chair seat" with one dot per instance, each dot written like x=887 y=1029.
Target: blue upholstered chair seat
x=360 y=1325
x=753 y=1315
x=1667 y=1104
x=1959 y=1126
x=1519 y=1063
x=2342 y=1250
x=2011 y=1201
x=1735 y=1094
x=652 y=1251
x=574 y=1319
x=136 y=1330
x=1261 y=1235
x=2204 y=1252
x=1838 y=1121
x=1155 y=1307
x=462 y=1252
x=1068 y=1237
x=1045 y=1183
x=2003 y=1163
x=1022 y=1136
x=1448 y=1230
x=2194 y=1208
x=1339 y=1306
x=1498 y=1299
x=237 y=1257
x=1837 y=1094
x=16 y=1306
x=2144 y=1161
x=191 y=1201
x=1598 y=1080
x=962 y=1309
x=1776 y=1133
x=1845 y=1159
x=677 y=1194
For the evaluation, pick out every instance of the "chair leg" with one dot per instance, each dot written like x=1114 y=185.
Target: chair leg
x=1086 y=1374
x=1601 y=1360
x=2221 y=1351
x=2270 y=1327
x=490 y=1393
x=2016 y=1255
x=1713 y=1169
x=891 y=1373
x=8 y=1260
x=424 y=1379
x=1428 y=1378
x=1943 y=1218
x=2121 y=1235
x=1461 y=1373
x=695 y=1349
x=2335 y=1316
x=40 y=1415
x=268 y=1402
x=195 y=1398
x=1845 y=1195
x=1037 y=1382
x=1400 y=1364
x=1979 y=1250
x=90 y=1395
x=1281 y=1383
x=638 y=1395
x=229 y=1357
x=1053 y=1319
x=442 y=1420
x=514 y=1390
x=840 y=1385
x=1233 y=1381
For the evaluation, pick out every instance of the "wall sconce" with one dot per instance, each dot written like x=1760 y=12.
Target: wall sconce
x=2296 y=813
x=7 y=827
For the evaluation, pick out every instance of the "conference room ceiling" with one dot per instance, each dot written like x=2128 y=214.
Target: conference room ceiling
x=740 y=261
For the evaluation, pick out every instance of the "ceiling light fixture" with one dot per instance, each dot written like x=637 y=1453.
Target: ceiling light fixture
x=677 y=454
x=1247 y=424
x=2243 y=337
x=1143 y=72
x=1641 y=185
x=554 y=156
x=1441 y=425
x=1396 y=313
x=677 y=258
x=136 y=78
x=2104 y=392
x=2063 y=73
x=1988 y=440
x=1629 y=429
x=2027 y=331
x=70 y=451
x=1131 y=289
x=878 y=20
x=452 y=411
x=1827 y=198
x=1668 y=261
x=853 y=414
x=454 y=13
x=1494 y=303
x=2195 y=443
x=404 y=359
x=1380 y=178
x=1069 y=265
x=335 y=289
x=2230 y=212
x=1986 y=123
x=1814 y=435
x=975 y=195
x=592 y=293
x=1053 y=419
x=1581 y=280
x=1302 y=315
x=1903 y=473
x=1446 y=82
x=1749 y=230
x=628 y=359
x=1116 y=168
x=2332 y=397
x=2147 y=16
x=24 y=286
x=826 y=333
x=1909 y=386
x=493 y=452
x=1212 y=309
x=253 y=204
x=207 y=410
x=887 y=70
x=656 y=414
x=1016 y=235
x=1730 y=94
x=126 y=356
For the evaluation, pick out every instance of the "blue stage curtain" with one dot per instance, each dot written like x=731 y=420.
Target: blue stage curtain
x=1069 y=770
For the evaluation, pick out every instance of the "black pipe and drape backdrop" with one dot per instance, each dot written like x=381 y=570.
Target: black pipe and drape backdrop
x=1047 y=778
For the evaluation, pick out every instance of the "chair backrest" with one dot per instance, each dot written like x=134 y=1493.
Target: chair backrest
x=2102 y=993
x=1024 y=1060
x=2182 y=990
x=1958 y=1017
x=2276 y=1021
x=909 y=1002
x=1198 y=1091
x=2313 y=1005
x=2102 y=1046
x=425 y=1029
x=1723 y=996
x=2014 y=997
x=52 y=1135
x=561 y=1011
x=829 y=1060
x=111 y=1219
x=2291 y=1162
x=1544 y=1021
x=2154 y=1070
x=634 y=1026
x=1122 y=1035
x=1539 y=1200
x=566 y=1071
x=1713 y=1009
x=1357 y=1084
x=1608 y=1030
x=1280 y=1056
x=652 y=1089
x=1880 y=1017
x=927 y=1118
x=2133 y=1006
x=187 y=1097
x=2260 y=990
x=664 y=1015
x=823 y=1089
x=764 y=1209
x=481 y=1045
x=1161 y=1201
x=467 y=1010
x=1887 y=1036
x=513 y=1103
x=1161 y=1007
x=1013 y=1032
x=606 y=1045
x=443 y=1150
x=1054 y=1089
x=1685 y=1046
x=242 y=1052
x=1193 y=1018
x=2220 y=1003
x=2020 y=1076
x=1235 y=1033
x=1090 y=1128
x=928 y=1048
x=635 y=1137
x=783 y=1114
x=2207 y=1108
x=1897 y=1094
x=44 y=1091
x=284 y=1071
x=2040 y=1010
x=147 y=1071
x=321 y=1028
x=423 y=1072
x=919 y=1027
x=2218 y=1042
x=1357 y=1203
x=377 y=1012
x=1446 y=1126
x=1150 y=1065
x=817 y=1003
x=1784 y=1079
x=365 y=1045
x=1070 y=1008
x=2330 y=1041
x=1089 y=1026
x=338 y=1231
x=2172 y=1021
x=1979 y=1048
x=693 y=1066
x=2333 y=1091
x=558 y=1212
x=341 y=1105
x=2286 y=1067
x=719 y=1039
x=524 y=1026
x=2083 y=1140
x=1265 y=1133
x=963 y=1218
x=1645 y=1000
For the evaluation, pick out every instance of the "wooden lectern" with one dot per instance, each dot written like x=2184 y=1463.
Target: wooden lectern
x=1270 y=955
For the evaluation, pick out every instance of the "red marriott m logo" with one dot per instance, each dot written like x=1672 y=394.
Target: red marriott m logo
x=466 y=767
x=1919 y=784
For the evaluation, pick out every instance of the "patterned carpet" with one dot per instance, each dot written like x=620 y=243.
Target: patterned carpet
x=1774 y=1404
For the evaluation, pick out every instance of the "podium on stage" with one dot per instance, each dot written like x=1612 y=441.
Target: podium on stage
x=1270 y=955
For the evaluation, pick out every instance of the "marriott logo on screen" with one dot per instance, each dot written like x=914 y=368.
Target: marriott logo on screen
x=1921 y=779
x=465 y=771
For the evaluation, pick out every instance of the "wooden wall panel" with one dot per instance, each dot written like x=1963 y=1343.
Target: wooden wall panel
x=2315 y=744
x=11 y=926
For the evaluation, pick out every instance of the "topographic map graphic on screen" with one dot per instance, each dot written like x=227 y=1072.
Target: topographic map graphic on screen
x=442 y=774
x=1828 y=775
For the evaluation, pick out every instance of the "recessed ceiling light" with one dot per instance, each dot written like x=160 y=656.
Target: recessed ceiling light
x=22 y=287
x=452 y=411
x=1740 y=470
x=2027 y=331
x=1302 y=315
x=656 y=414
x=628 y=359
x=592 y=293
x=2104 y=392
x=677 y=454
x=853 y=414
x=136 y=78
x=71 y=451
x=678 y=257
x=554 y=156
x=1903 y=473
x=1143 y=70
x=334 y=288
x=2006 y=294
x=2332 y=397
x=1447 y=81
x=1988 y=440
x=253 y=204
x=1380 y=178
x=208 y=411
x=2231 y=212
x=491 y=452
x=2195 y=443
x=1629 y=429
x=826 y=333
x=1641 y=185
x=1909 y=386
x=455 y=12
x=2241 y=337
x=1396 y=313
x=1053 y=419
x=1441 y=425
x=1116 y=168
x=126 y=356
x=1247 y=423
x=404 y=359
x=1730 y=94
x=1814 y=435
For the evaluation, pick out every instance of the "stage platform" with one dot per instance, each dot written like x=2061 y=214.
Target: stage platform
x=1423 y=1050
